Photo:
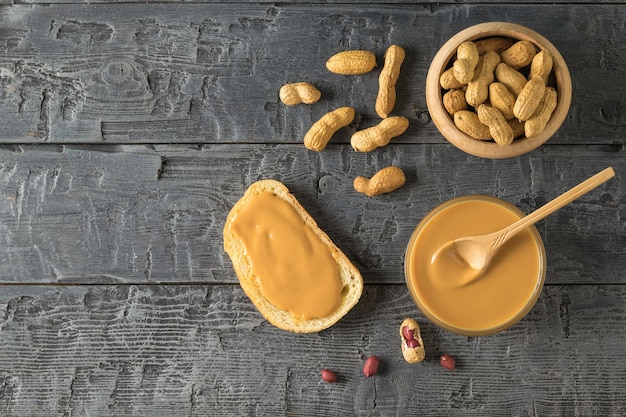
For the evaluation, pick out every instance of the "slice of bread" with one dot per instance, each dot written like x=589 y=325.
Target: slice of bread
x=349 y=275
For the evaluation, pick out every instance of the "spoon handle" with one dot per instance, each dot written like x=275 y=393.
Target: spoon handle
x=560 y=201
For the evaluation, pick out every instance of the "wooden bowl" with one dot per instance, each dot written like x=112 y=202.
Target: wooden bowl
x=560 y=78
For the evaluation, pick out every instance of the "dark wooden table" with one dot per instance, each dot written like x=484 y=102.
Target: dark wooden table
x=128 y=131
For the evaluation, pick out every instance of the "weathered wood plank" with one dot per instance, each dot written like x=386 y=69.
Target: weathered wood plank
x=204 y=351
x=147 y=214
x=298 y=2
x=107 y=202
x=210 y=73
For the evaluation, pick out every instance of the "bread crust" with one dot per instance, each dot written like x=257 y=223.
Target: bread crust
x=350 y=276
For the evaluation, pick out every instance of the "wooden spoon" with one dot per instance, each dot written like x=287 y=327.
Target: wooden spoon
x=477 y=251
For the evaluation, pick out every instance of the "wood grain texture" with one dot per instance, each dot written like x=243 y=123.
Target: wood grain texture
x=128 y=131
x=204 y=350
x=210 y=73
x=299 y=2
x=149 y=214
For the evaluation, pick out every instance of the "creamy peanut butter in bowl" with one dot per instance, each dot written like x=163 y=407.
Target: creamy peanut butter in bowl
x=497 y=300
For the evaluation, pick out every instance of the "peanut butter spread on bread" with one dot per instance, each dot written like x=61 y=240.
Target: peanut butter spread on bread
x=296 y=271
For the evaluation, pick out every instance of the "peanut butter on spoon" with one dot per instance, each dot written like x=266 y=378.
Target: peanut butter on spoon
x=474 y=253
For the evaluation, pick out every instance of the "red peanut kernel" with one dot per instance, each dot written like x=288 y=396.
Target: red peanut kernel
x=370 y=367
x=329 y=376
x=412 y=343
x=407 y=333
x=447 y=362
x=409 y=336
